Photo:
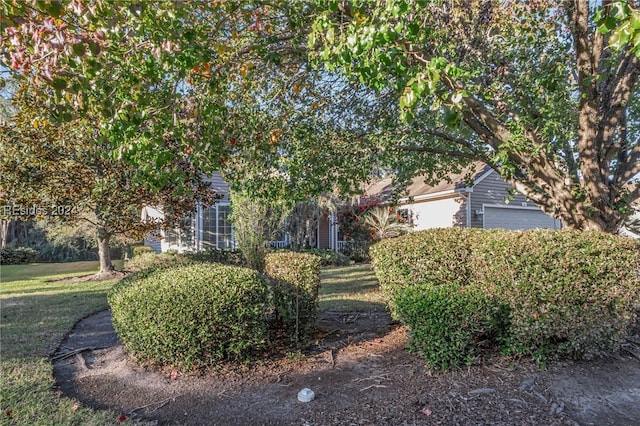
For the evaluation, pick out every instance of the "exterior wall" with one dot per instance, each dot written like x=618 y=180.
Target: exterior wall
x=220 y=186
x=153 y=242
x=439 y=213
x=493 y=190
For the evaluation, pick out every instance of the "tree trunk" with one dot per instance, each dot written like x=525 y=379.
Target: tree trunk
x=4 y=232
x=104 y=252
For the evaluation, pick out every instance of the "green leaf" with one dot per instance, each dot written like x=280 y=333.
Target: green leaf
x=59 y=83
x=635 y=20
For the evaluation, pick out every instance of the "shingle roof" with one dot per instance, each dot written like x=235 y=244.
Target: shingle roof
x=383 y=189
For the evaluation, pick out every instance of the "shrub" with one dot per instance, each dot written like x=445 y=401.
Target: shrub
x=15 y=256
x=139 y=250
x=571 y=294
x=357 y=250
x=448 y=323
x=153 y=260
x=216 y=255
x=295 y=284
x=191 y=315
x=435 y=256
x=329 y=257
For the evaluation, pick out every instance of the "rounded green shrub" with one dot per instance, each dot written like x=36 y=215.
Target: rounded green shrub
x=434 y=256
x=15 y=256
x=449 y=322
x=329 y=257
x=139 y=250
x=295 y=285
x=573 y=294
x=191 y=315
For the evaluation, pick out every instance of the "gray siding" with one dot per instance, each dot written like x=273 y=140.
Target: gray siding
x=220 y=186
x=153 y=242
x=493 y=190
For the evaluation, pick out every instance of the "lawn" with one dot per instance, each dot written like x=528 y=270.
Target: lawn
x=350 y=288
x=36 y=313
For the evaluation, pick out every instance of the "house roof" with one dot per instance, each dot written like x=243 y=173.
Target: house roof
x=383 y=189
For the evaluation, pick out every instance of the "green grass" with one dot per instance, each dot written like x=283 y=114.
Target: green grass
x=350 y=288
x=52 y=271
x=35 y=314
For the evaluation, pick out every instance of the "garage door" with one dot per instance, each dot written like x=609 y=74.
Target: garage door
x=517 y=218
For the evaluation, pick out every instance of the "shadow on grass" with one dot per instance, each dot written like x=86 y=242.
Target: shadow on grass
x=33 y=324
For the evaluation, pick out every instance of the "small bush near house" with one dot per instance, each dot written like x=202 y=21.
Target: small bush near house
x=357 y=250
x=450 y=324
x=228 y=257
x=329 y=257
x=295 y=284
x=16 y=256
x=571 y=294
x=191 y=315
x=152 y=260
x=140 y=250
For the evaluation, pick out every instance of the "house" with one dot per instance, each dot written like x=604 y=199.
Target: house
x=481 y=201
x=475 y=198
x=208 y=227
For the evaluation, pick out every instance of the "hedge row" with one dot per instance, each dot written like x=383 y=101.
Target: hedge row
x=15 y=256
x=193 y=314
x=570 y=294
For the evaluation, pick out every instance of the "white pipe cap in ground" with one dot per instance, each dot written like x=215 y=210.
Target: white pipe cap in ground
x=306 y=395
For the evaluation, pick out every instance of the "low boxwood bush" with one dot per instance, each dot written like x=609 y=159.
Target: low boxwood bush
x=191 y=315
x=226 y=256
x=16 y=256
x=139 y=250
x=571 y=294
x=295 y=285
x=450 y=323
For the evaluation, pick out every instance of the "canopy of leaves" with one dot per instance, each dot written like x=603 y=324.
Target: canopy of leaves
x=231 y=84
x=59 y=168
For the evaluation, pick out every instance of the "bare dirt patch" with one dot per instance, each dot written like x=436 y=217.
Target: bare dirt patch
x=361 y=375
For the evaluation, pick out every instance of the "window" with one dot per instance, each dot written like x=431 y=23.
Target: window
x=217 y=230
x=181 y=235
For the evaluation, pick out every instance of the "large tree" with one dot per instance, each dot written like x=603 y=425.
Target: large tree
x=57 y=170
x=545 y=93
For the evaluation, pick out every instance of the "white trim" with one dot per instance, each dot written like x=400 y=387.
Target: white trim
x=441 y=194
x=484 y=176
x=500 y=206
x=468 y=213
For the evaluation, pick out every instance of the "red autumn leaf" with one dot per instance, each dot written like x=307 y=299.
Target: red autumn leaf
x=122 y=418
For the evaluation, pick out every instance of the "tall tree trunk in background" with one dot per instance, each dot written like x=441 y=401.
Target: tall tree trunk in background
x=104 y=251
x=4 y=232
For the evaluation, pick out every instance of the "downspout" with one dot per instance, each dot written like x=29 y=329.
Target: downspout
x=468 y=198
x=466 y=194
